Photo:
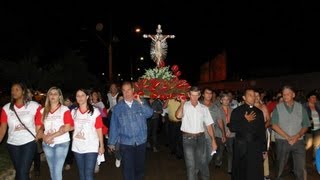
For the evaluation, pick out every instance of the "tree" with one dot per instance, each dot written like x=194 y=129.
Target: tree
x=68 y=73
x=25 y=70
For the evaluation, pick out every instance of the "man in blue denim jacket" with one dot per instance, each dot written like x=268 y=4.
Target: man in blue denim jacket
x=128 y=127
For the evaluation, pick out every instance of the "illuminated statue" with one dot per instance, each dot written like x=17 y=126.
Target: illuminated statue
x=158 y=46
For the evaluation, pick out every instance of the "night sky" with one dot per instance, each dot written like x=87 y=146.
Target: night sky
x=259 y=38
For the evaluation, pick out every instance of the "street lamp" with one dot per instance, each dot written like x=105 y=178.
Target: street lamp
x=133 y=59
x=138 y=30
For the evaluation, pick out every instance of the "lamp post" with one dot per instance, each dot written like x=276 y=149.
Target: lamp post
x=110 y=61
x=99 y=28
x=133 y=59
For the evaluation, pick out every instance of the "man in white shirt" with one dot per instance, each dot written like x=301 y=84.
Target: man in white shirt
x=194 y=115
x=112 y=95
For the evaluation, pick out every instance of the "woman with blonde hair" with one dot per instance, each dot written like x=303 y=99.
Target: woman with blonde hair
x=57 y=122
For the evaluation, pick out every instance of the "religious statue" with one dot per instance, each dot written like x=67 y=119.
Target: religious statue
x=161 y=81
x=158 y=46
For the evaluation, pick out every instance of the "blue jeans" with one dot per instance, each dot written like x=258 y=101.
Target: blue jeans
x=22 y=157
x=152 y=125
x=175 y=138
x=69 y=158
x=133 y=161
x=230 y=142
x=208 y=150
x=219 y=155
x=56 y=156
x=86 y=163
x=194 y=148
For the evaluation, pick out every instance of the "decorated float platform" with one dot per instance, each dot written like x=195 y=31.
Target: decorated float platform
x=161 y=82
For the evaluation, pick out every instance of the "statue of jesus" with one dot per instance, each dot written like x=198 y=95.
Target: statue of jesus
x=158 y=46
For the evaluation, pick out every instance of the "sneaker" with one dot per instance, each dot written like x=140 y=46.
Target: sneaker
x=97 y=168
x=118 y=163
x=266 y=178
x=67 y=167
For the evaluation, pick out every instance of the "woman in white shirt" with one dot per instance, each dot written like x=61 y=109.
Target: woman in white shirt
x=22 y=131
x=87 y=135
x=96 y=101
x=57 y=122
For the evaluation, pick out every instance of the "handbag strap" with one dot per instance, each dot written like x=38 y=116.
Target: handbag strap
x=23 y=123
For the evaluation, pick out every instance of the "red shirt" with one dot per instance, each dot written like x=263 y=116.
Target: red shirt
x=271 y=105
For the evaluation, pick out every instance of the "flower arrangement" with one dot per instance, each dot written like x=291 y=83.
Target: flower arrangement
x=159 y=73
x=162 y=83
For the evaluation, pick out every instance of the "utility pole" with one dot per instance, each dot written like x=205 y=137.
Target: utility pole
x=110 y=48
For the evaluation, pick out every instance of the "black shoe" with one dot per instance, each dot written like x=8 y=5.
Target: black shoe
x=266 y=178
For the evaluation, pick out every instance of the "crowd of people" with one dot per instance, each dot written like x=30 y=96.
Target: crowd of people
x=199 y=130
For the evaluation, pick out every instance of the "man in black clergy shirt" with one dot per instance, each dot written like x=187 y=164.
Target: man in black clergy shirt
x=250 y=147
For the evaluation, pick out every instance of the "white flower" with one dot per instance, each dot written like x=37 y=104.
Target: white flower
x=158 y=73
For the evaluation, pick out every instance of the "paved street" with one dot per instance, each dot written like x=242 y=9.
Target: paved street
x=160 y=166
